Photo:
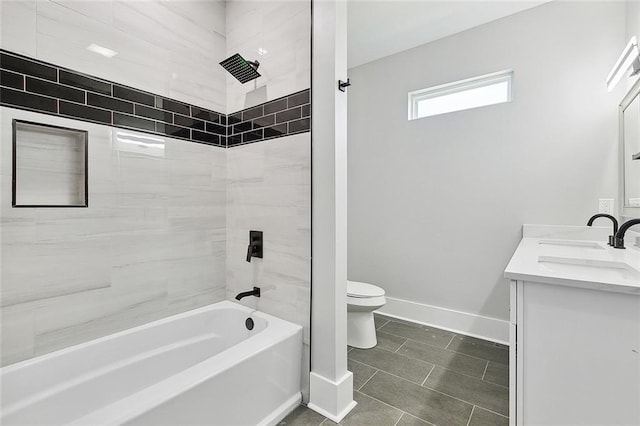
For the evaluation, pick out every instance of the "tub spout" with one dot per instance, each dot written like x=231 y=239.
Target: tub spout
x=255 y=292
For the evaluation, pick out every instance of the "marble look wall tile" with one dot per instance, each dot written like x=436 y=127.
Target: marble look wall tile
x=18 y=26
x=100 y=10
x=268 y=188
x=207 y=14
x=43 y=269
x=152 y=242
x=16 y=329
x=63 y=322
x=179 y=61
x=282 y=29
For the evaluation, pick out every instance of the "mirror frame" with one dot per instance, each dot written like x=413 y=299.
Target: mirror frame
x=626 y=212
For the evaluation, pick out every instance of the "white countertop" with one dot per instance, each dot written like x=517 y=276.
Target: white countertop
x=545 y=255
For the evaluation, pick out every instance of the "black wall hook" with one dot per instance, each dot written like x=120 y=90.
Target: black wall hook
x=343 y=84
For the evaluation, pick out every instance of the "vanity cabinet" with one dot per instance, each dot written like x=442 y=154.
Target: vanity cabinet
x=575 y=355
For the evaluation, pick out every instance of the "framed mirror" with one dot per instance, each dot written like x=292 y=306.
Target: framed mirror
x=629 y=118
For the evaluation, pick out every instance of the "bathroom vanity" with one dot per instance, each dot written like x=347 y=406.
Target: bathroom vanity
x=574 y=328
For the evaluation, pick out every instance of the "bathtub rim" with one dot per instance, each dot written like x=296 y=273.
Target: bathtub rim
x=210 y=307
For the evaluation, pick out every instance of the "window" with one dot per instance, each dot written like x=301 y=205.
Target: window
x=474 y=92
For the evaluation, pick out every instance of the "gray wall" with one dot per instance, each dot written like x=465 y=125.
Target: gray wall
x=436 y=205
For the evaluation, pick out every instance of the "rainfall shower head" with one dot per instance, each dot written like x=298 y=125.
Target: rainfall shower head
x=240 y=68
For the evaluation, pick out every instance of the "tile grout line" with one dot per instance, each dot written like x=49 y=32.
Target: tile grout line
x=367 y=381
x=452 y=337
x=425 y=379
x=485 y=371
x=471 y=414
x=492 y=412
x=461 y=400
x=399 y=347
x=426 y=387
x=395 y=408
x=433 y=364
x=413 y=383
x=399 y=418
x=388 y=321
x=385 y=371
x=437 y=347
x=421 y=419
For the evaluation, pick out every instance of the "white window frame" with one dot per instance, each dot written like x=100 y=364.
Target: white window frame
x=417 y=96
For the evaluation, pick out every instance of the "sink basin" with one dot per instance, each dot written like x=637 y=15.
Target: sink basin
x=589 y=269
x=572 y=243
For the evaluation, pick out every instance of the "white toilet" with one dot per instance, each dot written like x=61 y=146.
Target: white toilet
x=362 y=300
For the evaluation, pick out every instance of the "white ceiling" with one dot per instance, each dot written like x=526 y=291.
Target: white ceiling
x=381 y=28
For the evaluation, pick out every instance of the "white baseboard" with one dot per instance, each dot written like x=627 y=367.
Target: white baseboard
x=333 y=400
x=486 y=328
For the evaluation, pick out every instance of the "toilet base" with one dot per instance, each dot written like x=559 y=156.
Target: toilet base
x=361 y=330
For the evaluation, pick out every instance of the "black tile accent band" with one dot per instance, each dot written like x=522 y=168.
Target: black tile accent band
x=33 y=85
x=285 y=116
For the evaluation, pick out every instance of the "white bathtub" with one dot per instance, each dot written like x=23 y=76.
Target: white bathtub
x=201 y=367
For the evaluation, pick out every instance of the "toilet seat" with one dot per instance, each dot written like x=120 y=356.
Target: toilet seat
x=361 y=290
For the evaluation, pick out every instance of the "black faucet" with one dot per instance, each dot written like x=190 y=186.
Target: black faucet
x=255 y=292
x=608 y=216
x=619 y=238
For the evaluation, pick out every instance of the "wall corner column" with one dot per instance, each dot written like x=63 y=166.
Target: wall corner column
x=331 y=385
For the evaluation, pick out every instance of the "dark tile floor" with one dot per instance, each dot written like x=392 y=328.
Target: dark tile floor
x=419 y=375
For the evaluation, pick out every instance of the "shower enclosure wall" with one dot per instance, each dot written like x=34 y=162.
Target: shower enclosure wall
x=183 y=161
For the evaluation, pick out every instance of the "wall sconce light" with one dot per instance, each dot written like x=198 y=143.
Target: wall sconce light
x=629 y=58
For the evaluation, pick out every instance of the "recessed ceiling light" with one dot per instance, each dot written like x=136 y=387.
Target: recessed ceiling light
x=262 y=51
x=102 y=50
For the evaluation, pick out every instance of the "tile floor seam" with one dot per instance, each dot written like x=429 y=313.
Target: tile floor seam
x=382 y=349
x=471 y=415
x=425 y=379
x=387 y=372
x=399 y=347
x=451 y=396
x=367 y=381
x=438 y=347
x=452 y=337
x=398 y=421
x=391 y=352
x=485 y=370
x=495 y=384
x=421 y=419
x=378 y=328
x=492 y=412
x=464 y=374
x=436 y=391
x=415 y=384
x=395 y=408
x=446 y=367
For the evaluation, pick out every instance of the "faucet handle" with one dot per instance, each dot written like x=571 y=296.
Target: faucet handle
x=255 y=245
x=249 y=252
